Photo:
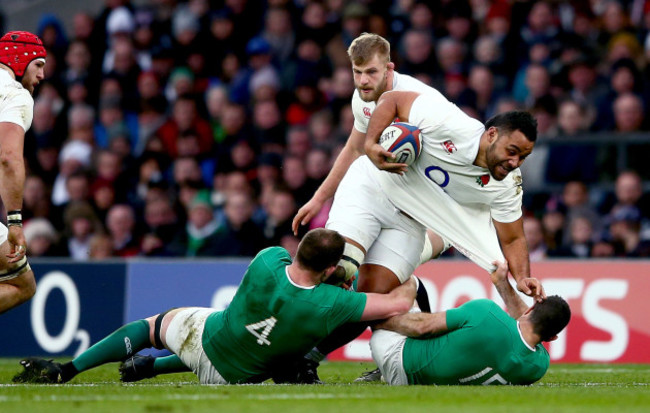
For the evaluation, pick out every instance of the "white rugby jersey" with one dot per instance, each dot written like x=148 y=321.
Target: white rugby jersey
x=450 y=143
x=16 y=103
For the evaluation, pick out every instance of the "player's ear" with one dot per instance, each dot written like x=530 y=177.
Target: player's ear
x=552 y=339
x=329 y=271
x=492 y=134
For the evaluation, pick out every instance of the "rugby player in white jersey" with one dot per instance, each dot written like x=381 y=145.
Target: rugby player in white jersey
x=22 y=61
x=458 y=187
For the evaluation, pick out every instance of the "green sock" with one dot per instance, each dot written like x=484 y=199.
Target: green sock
x=122 y=343
x=169 y=364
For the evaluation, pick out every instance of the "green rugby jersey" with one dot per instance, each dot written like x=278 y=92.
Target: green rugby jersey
x=271 y=319
x=483 y=346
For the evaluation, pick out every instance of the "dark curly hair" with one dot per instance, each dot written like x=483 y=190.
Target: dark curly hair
x=509 y=122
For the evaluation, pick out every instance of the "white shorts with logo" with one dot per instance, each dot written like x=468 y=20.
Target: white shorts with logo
x=363 y=213
x=468 y=228
x=387 y=348
x=184 y=338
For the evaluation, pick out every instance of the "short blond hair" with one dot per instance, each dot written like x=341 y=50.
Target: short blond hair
x=366 y=46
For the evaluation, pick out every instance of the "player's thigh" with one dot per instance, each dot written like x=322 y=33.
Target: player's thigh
x=398 y=249
x=360 y=208
x=387 y=348
x=184 y=337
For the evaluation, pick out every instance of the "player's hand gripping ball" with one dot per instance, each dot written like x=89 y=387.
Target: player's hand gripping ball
x=403 y=141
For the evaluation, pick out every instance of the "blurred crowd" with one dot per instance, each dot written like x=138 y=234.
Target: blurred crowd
x=197 y=128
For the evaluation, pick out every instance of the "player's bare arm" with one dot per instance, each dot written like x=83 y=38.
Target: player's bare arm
x=515 y=249
x=351 y=151
x=12 y=176
x=515 y=305
x=398 y=301
x=416 y=324
x=391 y=105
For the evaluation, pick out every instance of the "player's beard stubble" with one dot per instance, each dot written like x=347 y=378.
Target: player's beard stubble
x=498 y=168
x=377 y=91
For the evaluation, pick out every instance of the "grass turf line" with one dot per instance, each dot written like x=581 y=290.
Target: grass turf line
x=566 y=387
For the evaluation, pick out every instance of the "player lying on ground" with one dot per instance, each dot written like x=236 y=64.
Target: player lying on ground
x=476 y=343
x=280 y=311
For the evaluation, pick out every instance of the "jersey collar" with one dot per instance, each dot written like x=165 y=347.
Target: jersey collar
x=286 y=271
x=522 y=339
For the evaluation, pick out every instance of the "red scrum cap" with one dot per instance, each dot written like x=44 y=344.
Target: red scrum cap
x=18 y=49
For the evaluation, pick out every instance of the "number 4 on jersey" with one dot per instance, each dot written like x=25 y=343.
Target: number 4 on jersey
x=265 y=326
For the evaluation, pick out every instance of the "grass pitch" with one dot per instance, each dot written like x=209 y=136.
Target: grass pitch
x=566 y=387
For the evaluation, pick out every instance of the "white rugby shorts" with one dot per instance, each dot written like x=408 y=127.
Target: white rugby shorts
x=362 y=212
x=184 y=338
x=387 y=348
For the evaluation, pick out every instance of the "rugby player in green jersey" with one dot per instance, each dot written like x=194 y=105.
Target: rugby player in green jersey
x=476 y=343
x=280 y=311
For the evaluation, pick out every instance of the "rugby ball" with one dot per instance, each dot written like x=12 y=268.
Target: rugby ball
x=403 y=141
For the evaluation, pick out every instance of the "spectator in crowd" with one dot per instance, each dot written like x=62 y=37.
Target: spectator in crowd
x=81 y=127
x=575 y=197
x=584 y=85
x=579 y=242
x=553 y=222
x=480 y=93
x=101 y=247
x=237 y=233
x=80 y=224
x=624 y=78
x=185 y=117
x=42 y=238
x=268 y=126
x=317 y=166
x=75 y=155
x=294 y=174
x=417 y=55
x=232 y=128
x=572 y=118
x=298 y=141
x=120 y=223
x=628 y=192
x=568 y=162
x=541 y=27
x=629 y=113
x=451 y=55
x=186 y=169
x=321 y=128
x=278 y=32
x=162 y=224
x=281 y=209
x=259 y=65
x=199 y=238
x=534 y=233
x=625 y=232
x=340 y=89
x=36 y=200
x=102 y=197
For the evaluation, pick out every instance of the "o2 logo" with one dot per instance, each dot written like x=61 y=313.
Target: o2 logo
x=437 y=175
x=222 y=297
x=70 y=331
